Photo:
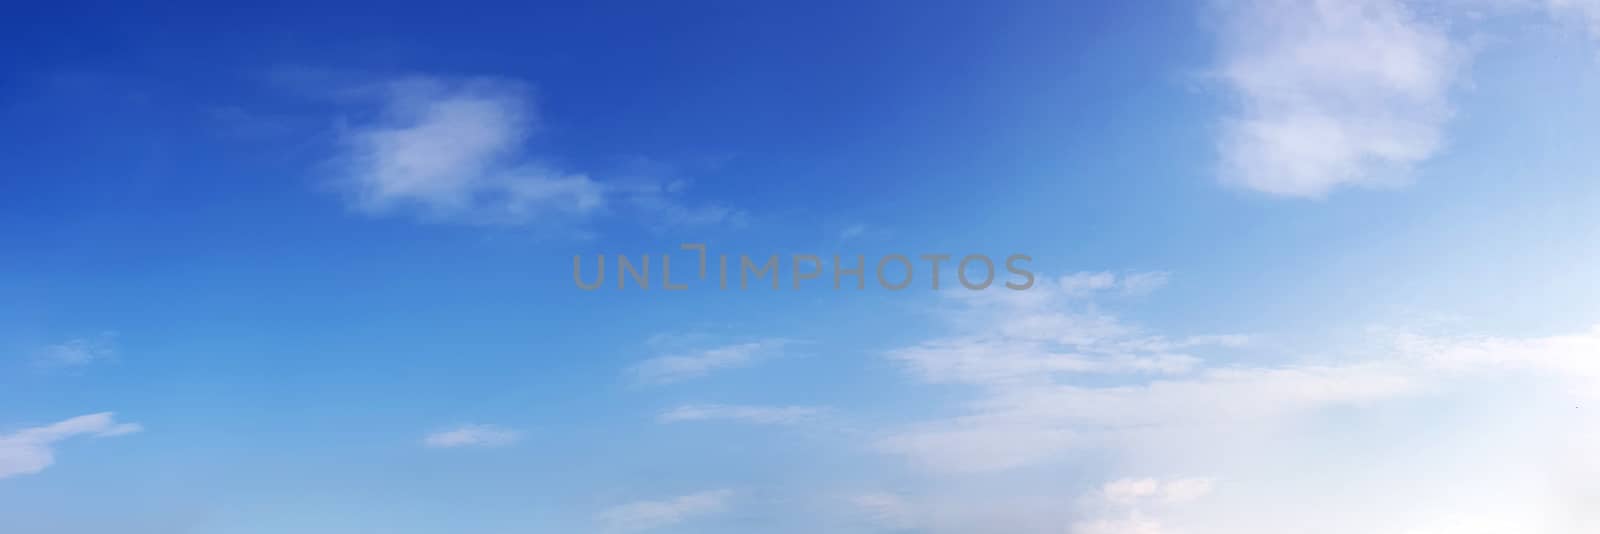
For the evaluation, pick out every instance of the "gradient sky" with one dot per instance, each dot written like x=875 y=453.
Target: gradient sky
x=1302 y=266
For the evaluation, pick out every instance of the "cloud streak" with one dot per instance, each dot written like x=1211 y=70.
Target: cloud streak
x=695 y=364
x=764 y=415
x=78 y=352
x=471 y=436
x=31 y=450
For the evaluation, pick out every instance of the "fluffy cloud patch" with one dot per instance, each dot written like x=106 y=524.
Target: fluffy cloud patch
x=31 y=450
x=648 y=515
x=471 y=436
x=452 y=150
x=1331 y=93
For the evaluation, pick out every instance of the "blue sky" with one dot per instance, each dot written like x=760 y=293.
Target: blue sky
x=1301 y=267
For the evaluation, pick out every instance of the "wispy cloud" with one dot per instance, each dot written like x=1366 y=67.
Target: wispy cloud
x=748 y=414
x=1332 y=93
x=1088 y=283
x=31 y=450
x=1024 y=355
x=646 y=515
x=1054 y=381
x=471 y=436
x=78 y=352
x=457 y=150
x=694 y=364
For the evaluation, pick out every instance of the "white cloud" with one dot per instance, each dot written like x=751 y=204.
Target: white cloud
x=678 y=367
x=79 y=352
x=1136 y=505
x=1020 y=424
x=454 y=150
x=1331 y=93
x=1423 y=432
x=646 y=515
x=1049 y=332
x=990 y=360
x=1027 y=357
x=471 y=436
x=748 y=414
x=31 y=450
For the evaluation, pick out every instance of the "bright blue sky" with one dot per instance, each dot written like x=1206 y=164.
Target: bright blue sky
x=317 y=262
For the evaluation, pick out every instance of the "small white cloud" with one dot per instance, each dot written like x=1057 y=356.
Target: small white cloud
x=454 y=151
x=646 y=515
x=471 y=436
x=679 y=367
x=767 y=415
x=79 y=352
x=30 y=450
x=1331 y=93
